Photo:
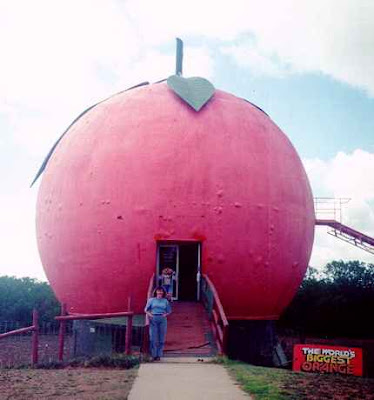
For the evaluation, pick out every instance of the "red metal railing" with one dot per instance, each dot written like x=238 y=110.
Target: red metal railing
x=75 y=317
x=34 y=328
x=219 y=322
x=329 y=212
x=61 y=334
x=348 y=234
x=145 y=345
x=330 y=207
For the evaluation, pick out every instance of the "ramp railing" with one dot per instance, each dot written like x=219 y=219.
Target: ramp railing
x=329 y=212
x=330 y=208
x=348 y=235
x=34 y=328
x=218 y=319
x=145 y=344
x=77 y=317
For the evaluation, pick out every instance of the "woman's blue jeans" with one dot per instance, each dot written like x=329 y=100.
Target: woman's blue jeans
x=157 y=334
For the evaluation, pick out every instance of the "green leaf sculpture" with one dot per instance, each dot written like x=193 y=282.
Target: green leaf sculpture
x=196 y=92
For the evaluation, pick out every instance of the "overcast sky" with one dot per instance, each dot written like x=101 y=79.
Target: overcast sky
x=308 y=64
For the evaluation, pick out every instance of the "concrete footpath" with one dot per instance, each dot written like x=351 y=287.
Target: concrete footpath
x=182 y=379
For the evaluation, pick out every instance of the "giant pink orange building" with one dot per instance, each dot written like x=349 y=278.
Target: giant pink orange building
x=143 y=180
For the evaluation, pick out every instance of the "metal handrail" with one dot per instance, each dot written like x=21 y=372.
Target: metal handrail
x=17 y=331
x=34 y=328
x=348 y=234
x=74 y=317
x=151 y=286
x=219 y=322
x=77 y=317
x=145 y=346
x=330 y=207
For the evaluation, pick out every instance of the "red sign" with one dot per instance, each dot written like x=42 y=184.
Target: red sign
x=327 y=359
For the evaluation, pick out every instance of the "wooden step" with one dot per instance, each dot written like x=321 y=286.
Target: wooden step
x=189 y=331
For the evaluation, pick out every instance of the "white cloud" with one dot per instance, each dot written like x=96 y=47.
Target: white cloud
x=328 y=248
x=53 y=50
x=153 y=66
x=335 y=37
x=345 y=175
x=58 y=59
x=19 y=254
x=260 y=63
x=349 y=176
x=64 y=46
x=198 y=61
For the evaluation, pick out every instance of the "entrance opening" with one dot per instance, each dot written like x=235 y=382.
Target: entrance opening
x=183 y=258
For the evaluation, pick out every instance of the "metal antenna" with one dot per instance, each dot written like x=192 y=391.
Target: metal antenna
x=179 y=59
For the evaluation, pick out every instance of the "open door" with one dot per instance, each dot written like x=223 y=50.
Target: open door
x=168 y=257
x=184 y=259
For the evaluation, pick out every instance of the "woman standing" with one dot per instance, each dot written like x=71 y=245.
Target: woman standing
x=157 y=309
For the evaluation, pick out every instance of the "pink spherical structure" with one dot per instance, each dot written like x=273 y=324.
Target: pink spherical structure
x=142 y=168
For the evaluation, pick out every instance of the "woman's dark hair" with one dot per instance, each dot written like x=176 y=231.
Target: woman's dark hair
x=159 y=288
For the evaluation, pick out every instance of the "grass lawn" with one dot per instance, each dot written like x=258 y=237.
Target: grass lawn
x=278 y=384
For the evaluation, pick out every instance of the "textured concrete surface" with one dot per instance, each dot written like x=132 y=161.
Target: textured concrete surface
x=187 y=360
x=185 y=381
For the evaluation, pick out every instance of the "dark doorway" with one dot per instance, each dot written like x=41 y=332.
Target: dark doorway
x=168 y=255
x=188 y=269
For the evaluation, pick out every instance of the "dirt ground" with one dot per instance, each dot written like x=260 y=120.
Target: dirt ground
x=79 y=383
x=316 y=387
x=95 y=383
x=16 y=350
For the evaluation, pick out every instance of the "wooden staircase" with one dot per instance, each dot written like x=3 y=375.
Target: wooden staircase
x=189 y=332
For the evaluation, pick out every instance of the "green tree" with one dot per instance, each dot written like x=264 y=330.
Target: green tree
x=336 y=301
x=19 y=296
x=350 y=274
